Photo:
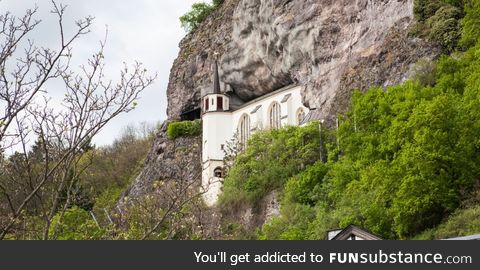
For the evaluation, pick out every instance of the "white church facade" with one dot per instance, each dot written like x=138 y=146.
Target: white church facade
x=221 y=123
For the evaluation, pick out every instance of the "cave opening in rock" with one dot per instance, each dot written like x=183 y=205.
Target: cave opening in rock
x=191 y=115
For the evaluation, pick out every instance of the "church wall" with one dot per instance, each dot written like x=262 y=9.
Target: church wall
x=217 y=130
x=211 y=185
x=260 y=119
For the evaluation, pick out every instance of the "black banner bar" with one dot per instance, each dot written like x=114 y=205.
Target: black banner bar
x=240 y=255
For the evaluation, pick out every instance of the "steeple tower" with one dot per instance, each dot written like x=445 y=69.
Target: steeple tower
x=216 y=79
x=216 y=127
x=215 y=101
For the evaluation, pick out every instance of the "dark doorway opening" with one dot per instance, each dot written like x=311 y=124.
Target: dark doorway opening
x=191 y=115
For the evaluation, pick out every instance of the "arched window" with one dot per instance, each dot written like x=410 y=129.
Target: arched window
x=243 y=130
x=300 y=116
x=218 y=172
x=274 y=116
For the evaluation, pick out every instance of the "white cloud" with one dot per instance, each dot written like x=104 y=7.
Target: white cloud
x=145 y=30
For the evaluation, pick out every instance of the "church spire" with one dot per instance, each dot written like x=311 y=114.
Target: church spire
x=216 y=78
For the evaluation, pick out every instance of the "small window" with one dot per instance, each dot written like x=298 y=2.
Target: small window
x=219 y=103
x=206 y=104
x=218 y=172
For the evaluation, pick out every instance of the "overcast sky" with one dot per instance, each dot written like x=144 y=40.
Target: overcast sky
x=145 y=30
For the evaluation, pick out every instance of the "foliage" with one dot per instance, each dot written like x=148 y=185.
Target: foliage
x=439 y=21
x=270 y=159
x=302 y=187
x=407 y=155
x=461 y=223
x=424 y=72
x=179 y=129
x=445 y=27
x=76 y=224
x=470 y=24
x=199 y=12
x=425 y=9
x=108 y=171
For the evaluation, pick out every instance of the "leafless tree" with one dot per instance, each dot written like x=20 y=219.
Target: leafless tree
x=90 y=102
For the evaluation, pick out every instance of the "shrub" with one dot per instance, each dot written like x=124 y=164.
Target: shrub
x=471 y=24
x=271 y=158
x=462 y=223
x=439 y=21
x=301 y=188
x=424 y=72
x=76 y=224
x=179 y=129
x=199 y=12
x=445 y=27
x=424 y=9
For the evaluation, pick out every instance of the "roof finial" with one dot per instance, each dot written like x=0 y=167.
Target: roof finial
x=216 y=77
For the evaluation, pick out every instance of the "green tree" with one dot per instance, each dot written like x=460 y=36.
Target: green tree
x=470 y=24
x=199 y=12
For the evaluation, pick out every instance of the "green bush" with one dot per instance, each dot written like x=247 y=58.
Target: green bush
x=439 y=21
x=271 y=158
x=462 y=223
x=179 y=129
x=424 y=72
x=302 y=187
x=445 y=27
x=425 y=9
x=471 y=24
x=199 y=12
x=76 y=224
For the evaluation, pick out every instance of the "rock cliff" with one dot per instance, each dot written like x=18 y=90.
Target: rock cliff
x=329 y=47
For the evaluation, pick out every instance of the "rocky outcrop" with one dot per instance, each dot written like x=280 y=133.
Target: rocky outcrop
x=191 y=73
x=329 y=47
x=169 y=160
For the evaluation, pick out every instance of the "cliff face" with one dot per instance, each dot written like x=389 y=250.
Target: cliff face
x=329 y=47
x=177 y=160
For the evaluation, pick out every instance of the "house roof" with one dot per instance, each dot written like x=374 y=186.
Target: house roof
x=353 y=230
x=469 y=237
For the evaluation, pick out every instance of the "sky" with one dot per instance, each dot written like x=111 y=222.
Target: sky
x=147 y=31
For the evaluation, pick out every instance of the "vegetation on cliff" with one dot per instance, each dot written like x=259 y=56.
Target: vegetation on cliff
x=179 y=129
x=199 y=12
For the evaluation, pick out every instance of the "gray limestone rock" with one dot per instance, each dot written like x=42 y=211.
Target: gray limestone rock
x=329 y=47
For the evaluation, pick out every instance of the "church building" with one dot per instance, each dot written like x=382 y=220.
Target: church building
x=224 y=121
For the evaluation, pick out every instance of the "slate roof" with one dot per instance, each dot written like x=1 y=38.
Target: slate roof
x=353 y=230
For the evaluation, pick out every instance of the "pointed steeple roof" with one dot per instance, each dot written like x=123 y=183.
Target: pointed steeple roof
x=216 y=79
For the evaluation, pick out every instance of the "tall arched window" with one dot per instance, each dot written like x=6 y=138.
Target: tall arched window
x=300 y=116
x=243 y=130
x=274 y=116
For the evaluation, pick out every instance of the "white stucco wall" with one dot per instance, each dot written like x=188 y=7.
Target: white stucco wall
x=217 y=130
x=260 y=119
x=211 y=185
